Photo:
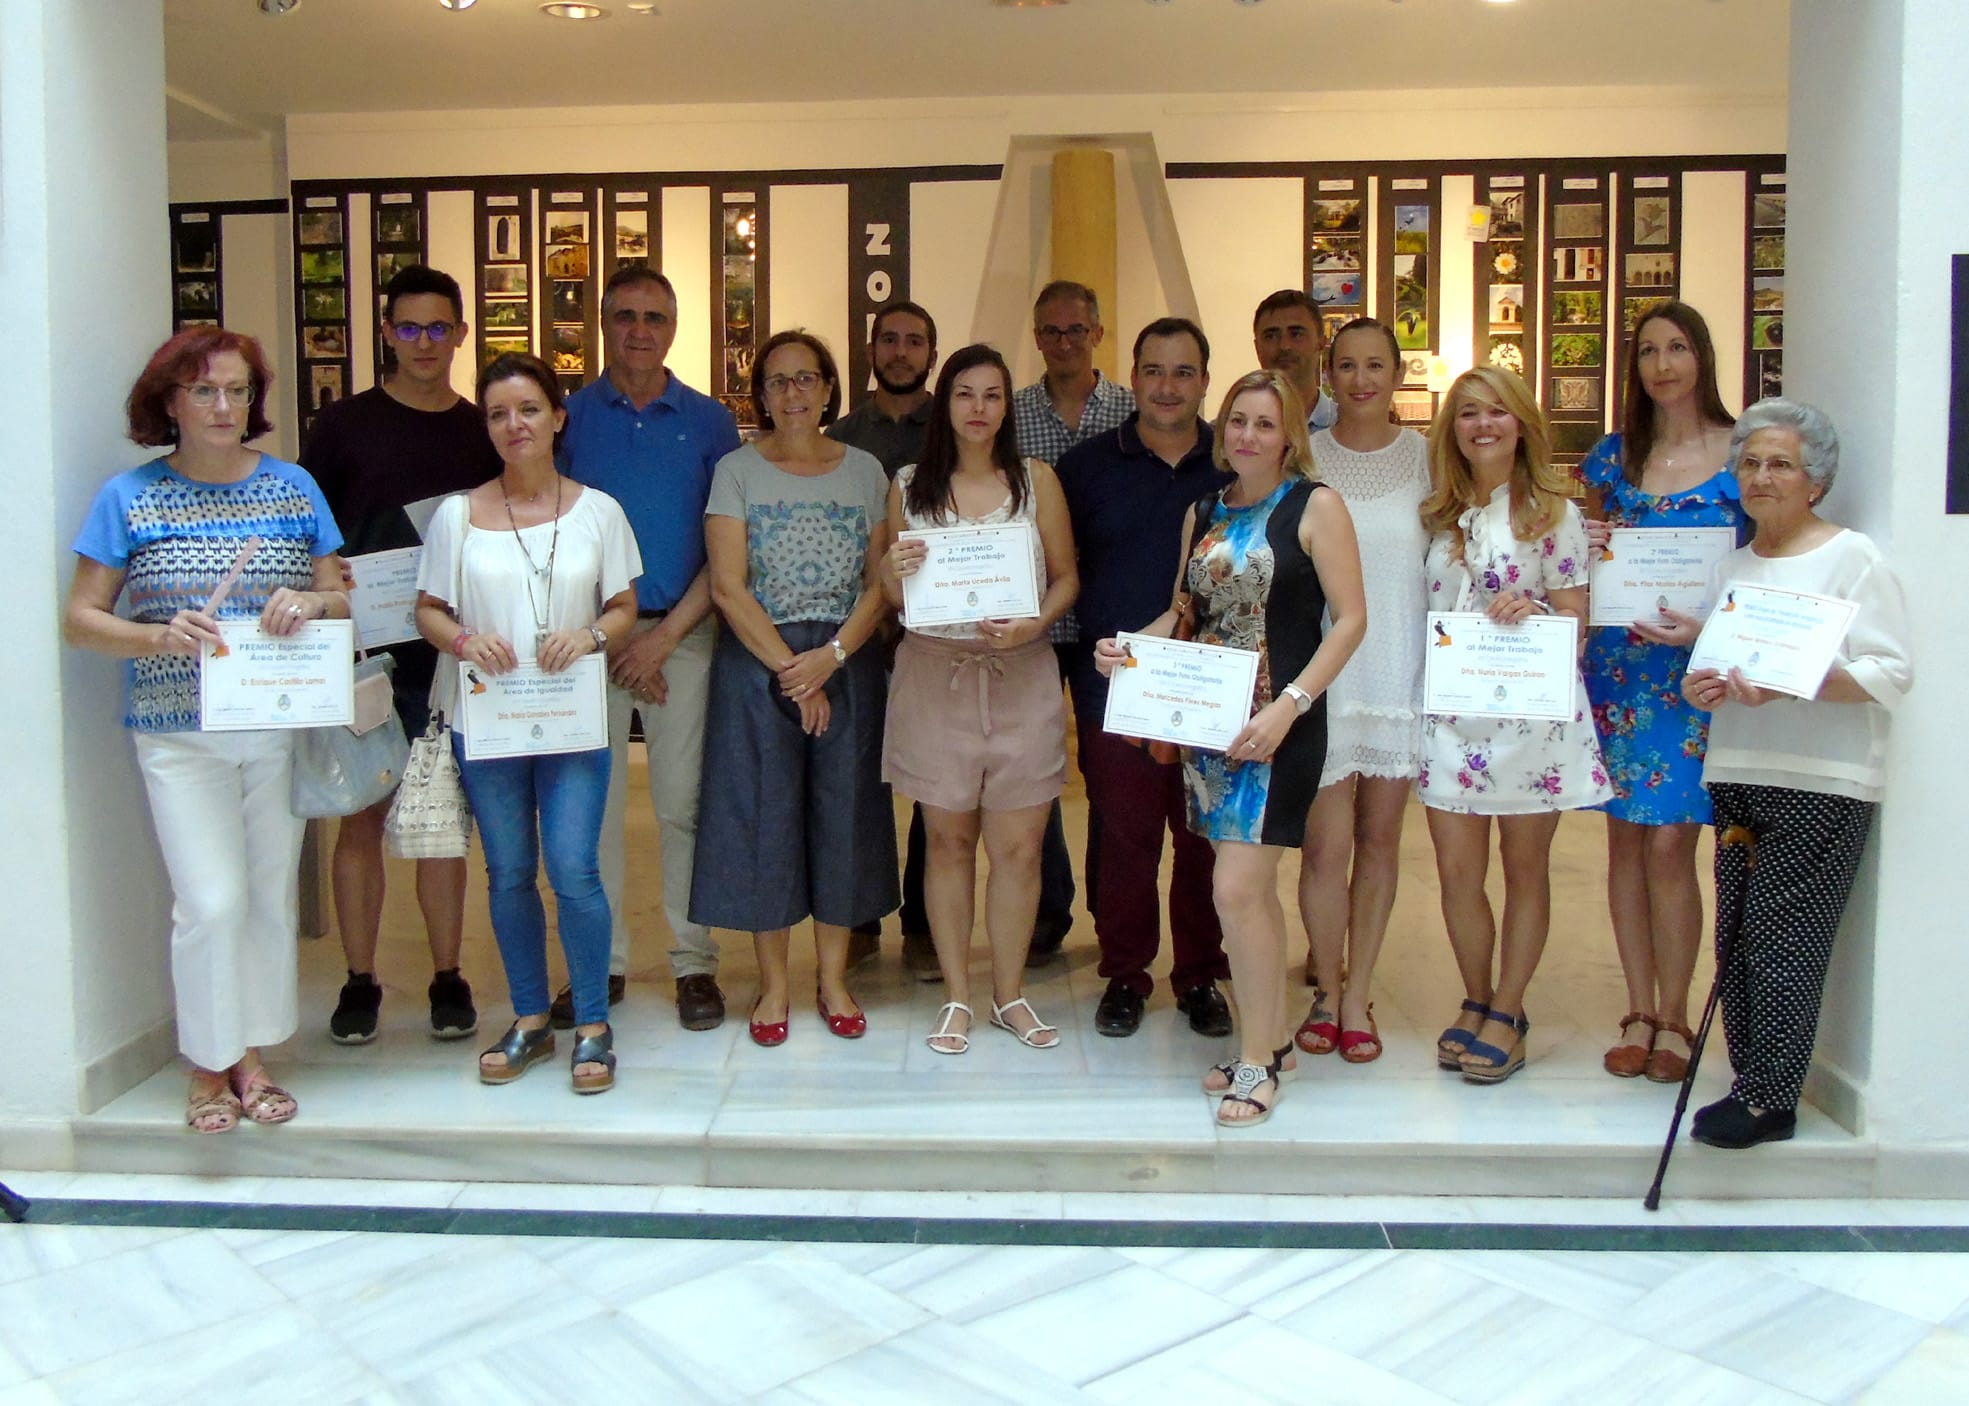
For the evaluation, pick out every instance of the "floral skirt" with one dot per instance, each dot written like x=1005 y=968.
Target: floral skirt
x=1512 y=766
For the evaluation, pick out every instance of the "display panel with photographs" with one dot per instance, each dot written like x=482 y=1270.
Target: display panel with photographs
x=1504 y=270
x=634 y=215
x=195 y=258
x=1581 y=218
x=1335 y=237
x=1407 y=249
x=1648 y=263
x=569 y=266
x=396 y=236
x=1764 y=216
x=741 y=240
x=503 y=228
x=321 y=334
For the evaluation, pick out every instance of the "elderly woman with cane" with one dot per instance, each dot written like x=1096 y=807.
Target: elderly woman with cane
x=1795 y=781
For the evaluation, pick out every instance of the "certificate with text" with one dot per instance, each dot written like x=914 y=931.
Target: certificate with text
x=258 y=680
x=1475 y=667
x=1194 y=695
x=1784 y=640
x=971 y=574
x=1644 y=570
x=384 y=601
x=529 y=712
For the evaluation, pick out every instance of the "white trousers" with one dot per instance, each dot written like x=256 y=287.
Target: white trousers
x=674 y=733
x=232 y=848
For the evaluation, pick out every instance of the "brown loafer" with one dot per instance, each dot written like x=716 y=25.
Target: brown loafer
x=1625 y=1061
x=1665 y=1066
x=700 y=1004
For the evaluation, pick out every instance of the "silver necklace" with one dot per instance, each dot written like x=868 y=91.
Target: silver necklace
x=545 y=573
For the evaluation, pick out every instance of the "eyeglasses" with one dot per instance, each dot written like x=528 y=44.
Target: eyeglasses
x=805 y=380
x=434 y=332
x=1777 y=468
x=1076 y=333
x=205 y=395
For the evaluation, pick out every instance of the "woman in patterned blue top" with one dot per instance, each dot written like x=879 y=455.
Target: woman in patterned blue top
x=1667 y=468
x=161 y=538
x=793 y=820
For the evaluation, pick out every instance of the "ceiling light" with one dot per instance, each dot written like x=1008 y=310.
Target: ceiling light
x=643 y=8
x=562 y=10
x=1028 y=4
x=279 y=7
x=458 y=4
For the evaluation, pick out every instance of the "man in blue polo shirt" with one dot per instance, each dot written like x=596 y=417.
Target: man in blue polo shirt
x=650 y=442
x=1128 y=491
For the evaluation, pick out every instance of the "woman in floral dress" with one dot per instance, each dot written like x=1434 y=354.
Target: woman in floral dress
x=1507 y=541
x=1667 y=468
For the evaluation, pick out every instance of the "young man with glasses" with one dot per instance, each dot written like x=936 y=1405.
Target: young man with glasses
x=1070 y=404
x=649 y=441
x=410 y=438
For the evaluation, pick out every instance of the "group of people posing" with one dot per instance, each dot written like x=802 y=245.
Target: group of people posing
x=745 y=595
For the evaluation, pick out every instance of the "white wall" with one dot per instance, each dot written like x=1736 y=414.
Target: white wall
x=82 y=167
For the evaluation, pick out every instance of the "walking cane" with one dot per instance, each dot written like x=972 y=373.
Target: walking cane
x=1732 y=835
x=12 y=1206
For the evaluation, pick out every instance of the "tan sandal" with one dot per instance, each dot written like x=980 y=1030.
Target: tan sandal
x=261 y=1099
x=221 y=1106
x=1626 y=1060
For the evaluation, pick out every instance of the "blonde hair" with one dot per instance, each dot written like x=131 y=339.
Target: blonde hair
x=1292 y=410
x=1539 y=489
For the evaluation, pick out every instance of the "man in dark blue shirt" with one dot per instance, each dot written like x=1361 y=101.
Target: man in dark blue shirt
x=650 y=442
x=1128 y=491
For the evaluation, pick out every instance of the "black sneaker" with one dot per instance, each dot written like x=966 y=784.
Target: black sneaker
x=453 y=1016
x=354 y=1021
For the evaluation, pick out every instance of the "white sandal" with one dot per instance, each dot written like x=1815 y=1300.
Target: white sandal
x=944 y=1032
x=1030 y=1038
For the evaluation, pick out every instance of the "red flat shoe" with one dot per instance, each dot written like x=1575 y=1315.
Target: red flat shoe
x=1316 y=1036
x=848 y=1027
x=767 y=1032
x=1352 y=1041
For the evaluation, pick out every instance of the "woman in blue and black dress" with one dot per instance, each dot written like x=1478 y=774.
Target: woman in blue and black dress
x=1269 y=554
x=1666 y=468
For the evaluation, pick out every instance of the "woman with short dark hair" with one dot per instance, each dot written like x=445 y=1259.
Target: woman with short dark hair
x=165 y=537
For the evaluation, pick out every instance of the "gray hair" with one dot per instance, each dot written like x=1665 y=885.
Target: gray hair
x=1816 y=436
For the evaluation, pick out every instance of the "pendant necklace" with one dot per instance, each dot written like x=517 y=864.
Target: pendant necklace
x=545 y=573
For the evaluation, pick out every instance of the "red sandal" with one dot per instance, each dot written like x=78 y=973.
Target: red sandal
x=1351 y=1042
x=1318 y=1036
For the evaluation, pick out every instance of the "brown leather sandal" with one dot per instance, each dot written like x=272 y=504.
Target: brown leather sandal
x=1666 y=1066
x=1628 y=1061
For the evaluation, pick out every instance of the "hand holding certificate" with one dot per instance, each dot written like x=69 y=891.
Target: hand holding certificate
x=1473 y=666
x=526 y=711
x=257 y=680
x=970 y=574
x=1194 y=695
x=1784 y=640
x=1645 y=570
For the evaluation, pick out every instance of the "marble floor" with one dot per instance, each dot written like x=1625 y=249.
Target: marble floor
x=928 y=1296
x=886 y=1113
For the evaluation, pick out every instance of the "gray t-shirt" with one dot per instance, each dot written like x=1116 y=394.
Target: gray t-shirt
x=806 y=538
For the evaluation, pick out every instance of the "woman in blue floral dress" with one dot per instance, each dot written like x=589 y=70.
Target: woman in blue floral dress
x=1507 y=541
x=1665 y=469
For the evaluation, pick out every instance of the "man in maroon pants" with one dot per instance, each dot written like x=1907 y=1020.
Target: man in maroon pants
x=1128 y=490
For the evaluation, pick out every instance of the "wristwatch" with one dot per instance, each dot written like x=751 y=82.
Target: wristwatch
x=840 y=651
x=600 y=637
x=1301 y=699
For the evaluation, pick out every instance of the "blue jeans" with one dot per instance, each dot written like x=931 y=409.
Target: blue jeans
x=523 y=804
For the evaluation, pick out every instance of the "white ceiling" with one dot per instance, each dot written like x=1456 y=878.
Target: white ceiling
x=229 y=66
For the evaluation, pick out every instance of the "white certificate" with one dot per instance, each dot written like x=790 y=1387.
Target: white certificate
x=1784 y=640
x=529 y=712
x=1646 y=569
x=971 y=574
x=1475 y=667
x=258 y=680
x=384 y=601
x=1195 y=695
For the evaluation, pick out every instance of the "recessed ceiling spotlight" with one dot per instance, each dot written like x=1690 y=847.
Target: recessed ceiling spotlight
x=279 y=7
x=1028 y=4
x=458 y=4
x=562 y=10
x=643 y=7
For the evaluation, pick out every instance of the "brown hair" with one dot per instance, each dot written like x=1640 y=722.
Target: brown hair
x=795 y=337
x=1298 y=446
x=522 y=366
x=178 y=363
x=1637 y=407
x=1539 y=490
x=928 y=494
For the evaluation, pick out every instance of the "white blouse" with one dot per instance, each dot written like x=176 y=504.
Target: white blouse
x=1839 y=749
x=997 y=516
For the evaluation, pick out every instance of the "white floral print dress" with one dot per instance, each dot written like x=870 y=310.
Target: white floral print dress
x=1508 y=766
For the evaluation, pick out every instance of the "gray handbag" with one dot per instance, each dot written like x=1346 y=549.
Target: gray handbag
x=342 y=770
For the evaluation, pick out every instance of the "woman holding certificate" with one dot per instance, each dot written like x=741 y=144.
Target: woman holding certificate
x=1268 y=555
x=1352 y=854
x=1796 y=775
x=526 y=580
x=977 y=721
x=1665 y=469
x=1507 y=542
x=211 y=532
x=793 y=822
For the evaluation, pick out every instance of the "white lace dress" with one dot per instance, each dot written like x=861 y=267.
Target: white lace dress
x=1374 y=709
